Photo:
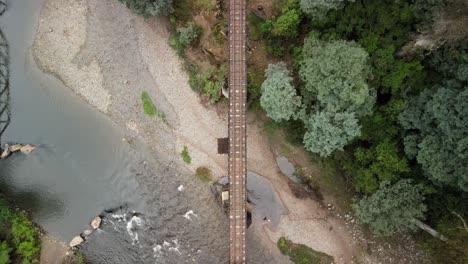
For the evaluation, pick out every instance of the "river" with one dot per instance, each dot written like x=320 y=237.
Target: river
x=86 y=166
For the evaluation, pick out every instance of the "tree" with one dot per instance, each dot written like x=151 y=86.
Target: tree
x=335 y=93
x=437 y=125
x=327 y=132
x=317 y=9
x=286 y=24
x=334 y=75
x=381 y=162
x=149 y=8
x=393 y=208
x=279 y=97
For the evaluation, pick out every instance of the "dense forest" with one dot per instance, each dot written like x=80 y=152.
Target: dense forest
x=378 y=87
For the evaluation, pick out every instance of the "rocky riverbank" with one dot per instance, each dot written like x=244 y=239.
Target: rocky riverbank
x=109 y=57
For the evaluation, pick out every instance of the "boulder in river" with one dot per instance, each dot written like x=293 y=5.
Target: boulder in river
x=87 y=232
x=6 y=152
x=15 y=147
x=96 y=223
x=27 y=149
x=76 y=241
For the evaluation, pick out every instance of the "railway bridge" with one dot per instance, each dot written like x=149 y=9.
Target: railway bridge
x=237 y=129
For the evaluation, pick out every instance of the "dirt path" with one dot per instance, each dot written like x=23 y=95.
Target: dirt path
x=81 y=57
x=52 y=251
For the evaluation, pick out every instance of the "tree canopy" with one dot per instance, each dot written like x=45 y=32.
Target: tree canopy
x=279 y=98
x=335 y=93
x=317 y=9
x=437 y=122
x=393 y=208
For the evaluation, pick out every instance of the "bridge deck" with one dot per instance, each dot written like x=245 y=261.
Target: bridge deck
x=237 y=129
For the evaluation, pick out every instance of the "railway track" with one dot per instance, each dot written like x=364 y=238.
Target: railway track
x=237 y=129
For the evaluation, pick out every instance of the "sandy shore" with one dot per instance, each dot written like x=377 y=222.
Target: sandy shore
x=109 y=63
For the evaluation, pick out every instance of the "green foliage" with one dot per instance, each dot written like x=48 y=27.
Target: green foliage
x=203 y=173
x=278 y=32
x=437 y=121
x=20 y=237
x=381 y=27
x=455 y=249
x=255 y=78
x=317 y=9
x=286 y=24
x=334 y=75
x=186 y=156
x=190 y=34
x=335 y=93
x=5 y=251
x=393 y=208
x=279 y=97
x=382 y=162
x=148 y=106
x=80 y=259
x=149 y=8
x=150 y=109
x=327 y=132
x=302 y=254
x=211 y=83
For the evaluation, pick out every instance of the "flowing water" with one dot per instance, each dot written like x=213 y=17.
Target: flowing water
x=83 y=168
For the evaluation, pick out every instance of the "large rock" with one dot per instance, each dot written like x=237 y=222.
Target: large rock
x=16 y=147
x=87 y=232
x=76 y=241
x=96 y=223
x=6 y=152
x=27 y=149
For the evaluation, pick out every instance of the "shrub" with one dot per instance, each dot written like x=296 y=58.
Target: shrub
x=21 y=236
x=204 y=174
x=302 y=254
x=185 y=155
x=5 y=251
x=190 y=34
x=149 y=8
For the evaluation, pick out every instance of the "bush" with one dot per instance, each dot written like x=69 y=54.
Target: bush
x=210 y=83
x=190 y=34
x=5 y=251
x=204 y=174
x=20 y=237
x=302 y=254
x=185 y=155
x=148 y=8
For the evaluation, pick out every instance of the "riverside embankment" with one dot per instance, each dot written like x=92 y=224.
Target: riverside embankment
x=108 y=57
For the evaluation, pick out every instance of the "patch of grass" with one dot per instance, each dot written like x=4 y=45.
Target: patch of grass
x=148 y=106
x=186 y=156
x=203 y=173
x=301 y=254
x=151 y=110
